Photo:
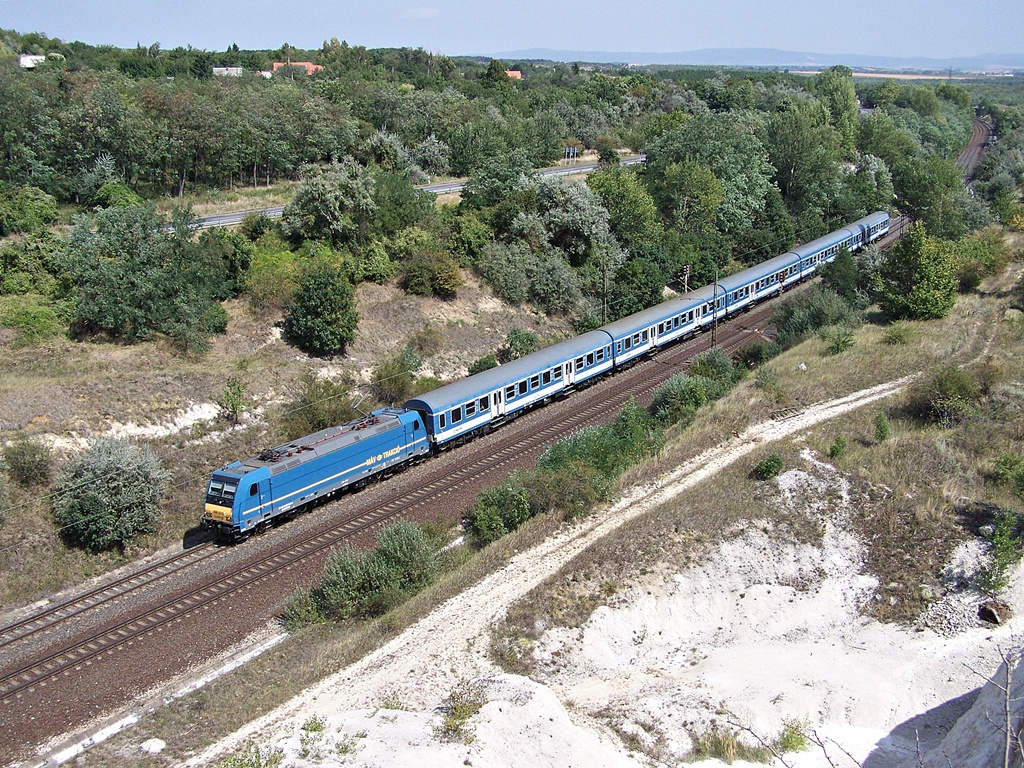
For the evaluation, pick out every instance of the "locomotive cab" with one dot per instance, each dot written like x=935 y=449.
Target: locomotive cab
x=236 y=498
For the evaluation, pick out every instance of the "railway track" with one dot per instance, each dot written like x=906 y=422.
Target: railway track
x=503 y=449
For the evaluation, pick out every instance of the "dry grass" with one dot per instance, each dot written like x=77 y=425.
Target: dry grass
x=210 y=202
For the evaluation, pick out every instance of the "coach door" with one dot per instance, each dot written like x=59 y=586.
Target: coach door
x=569 y=373
x=497 y=404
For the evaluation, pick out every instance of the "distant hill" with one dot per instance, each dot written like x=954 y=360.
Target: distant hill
x=770 y=57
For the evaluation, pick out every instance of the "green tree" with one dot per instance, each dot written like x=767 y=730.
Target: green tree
x=322 y=319
x=108 y=494
x=727 y=144
x=918 y=280
x=632 y=214
x=25 y=209
x=134 y=274
x=336 y=204
x=835 y=87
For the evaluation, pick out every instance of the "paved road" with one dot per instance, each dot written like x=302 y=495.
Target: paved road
x=227 y=219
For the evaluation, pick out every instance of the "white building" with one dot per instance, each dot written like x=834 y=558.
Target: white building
x=29 y=61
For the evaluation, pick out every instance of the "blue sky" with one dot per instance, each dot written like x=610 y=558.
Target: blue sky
x=934 y=28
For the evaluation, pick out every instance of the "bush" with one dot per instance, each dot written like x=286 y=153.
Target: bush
x=364 y=584
x=751 y=355
x=837 y=339
x=881 y=427
x=714 y=364
x=768 y=467
x=838 y=448
x=32 y=317
x=108 y=494
x=28 y=461
x=1005 y=552
x=677 y=400
x=482 y=364
x=316 y=403
x=393 y=379
x=950 y=396
x=498 y=511
x=25 y=209
x=896 y=334
x=322 y=320
x=251 y=756
x=255 y=225
x=116 y=194
x=518 y=343
x=805 y=313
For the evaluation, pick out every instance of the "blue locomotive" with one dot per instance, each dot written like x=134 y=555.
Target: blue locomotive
x=294 y=477
x=244 y=496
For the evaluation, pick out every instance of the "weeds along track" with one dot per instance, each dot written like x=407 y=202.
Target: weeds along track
x=83 y=648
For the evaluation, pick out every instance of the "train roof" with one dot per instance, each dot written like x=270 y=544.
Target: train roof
x=497 y=378
x=318 y=444
x=653 y=315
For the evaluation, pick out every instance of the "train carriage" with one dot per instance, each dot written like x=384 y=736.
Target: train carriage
x=474 y=404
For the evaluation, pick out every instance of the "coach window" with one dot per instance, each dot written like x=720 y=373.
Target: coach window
x=618 y=347
x=485 y=402
x=456 y=415
x=579 y=363
x=628 y=342
x=547 y=377
x=441 y=422
x=510 y=392
x=600 y=354
x=415 y=424
x=470 y=409
x=254 y=489
x=535 y=382
x=522 y=387
x=590 y=359
x=556 y=373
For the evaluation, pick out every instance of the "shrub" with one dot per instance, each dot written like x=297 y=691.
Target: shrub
x=28 y=461
x=518 y=343
x=801 y=315
x=1005 y=552
x=393 y=379
x=714 y=364
x=838 y=448
x=950 y=396
x=896 y=334
x=677 y=400
x=322 y=320
x=252 y=756
x=25 y=209
x=363 y=584
x=116 y=194
x=768 y=467
x=108 y=494
x=255 y=225
x=233 y=401
x=498 y=511
x=464 y=701
x=482 y=364
x=273 y=276
x=881 y=427
x=316 y=403
x=751 y=355
x=837 y=339
x=33 y=318
x=767 y=381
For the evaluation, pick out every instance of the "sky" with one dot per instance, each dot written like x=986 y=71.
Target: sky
x=904 y=28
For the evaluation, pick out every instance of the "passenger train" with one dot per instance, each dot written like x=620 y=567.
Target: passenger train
x=280 y=482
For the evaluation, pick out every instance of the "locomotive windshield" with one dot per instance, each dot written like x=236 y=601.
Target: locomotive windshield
x=221 y=492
